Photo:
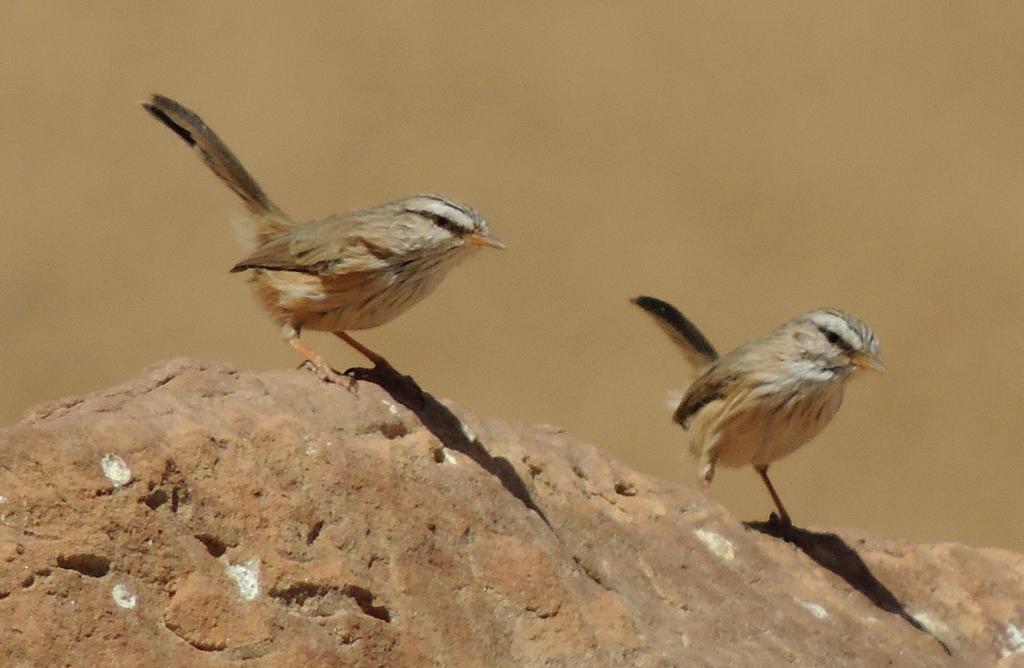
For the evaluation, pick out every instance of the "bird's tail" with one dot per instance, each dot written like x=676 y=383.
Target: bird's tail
x=266 y=217
x=696 y=348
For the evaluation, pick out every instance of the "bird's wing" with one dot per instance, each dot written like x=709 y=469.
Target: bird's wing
x=710 y=386
x=322 y=247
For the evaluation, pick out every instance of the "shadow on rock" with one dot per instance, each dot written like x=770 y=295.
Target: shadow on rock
x=447 y=427
x=830 y=551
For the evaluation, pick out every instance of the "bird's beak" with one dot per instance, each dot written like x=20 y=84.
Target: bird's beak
x=866 y=361
x=483 y=240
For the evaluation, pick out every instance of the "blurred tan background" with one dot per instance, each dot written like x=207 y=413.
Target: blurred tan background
x=745 y=161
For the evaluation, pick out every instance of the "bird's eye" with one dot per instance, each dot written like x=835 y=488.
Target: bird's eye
x=836 y=340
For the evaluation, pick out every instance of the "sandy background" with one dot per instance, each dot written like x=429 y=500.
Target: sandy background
x=744 y=161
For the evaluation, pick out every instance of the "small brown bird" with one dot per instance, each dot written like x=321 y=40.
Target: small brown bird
x=771 y=395
x=343 y=272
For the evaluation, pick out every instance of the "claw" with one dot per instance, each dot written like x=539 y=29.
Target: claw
x=323 y=371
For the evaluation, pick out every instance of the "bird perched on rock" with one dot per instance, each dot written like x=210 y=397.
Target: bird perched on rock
x=344 y=272
x=766 y=398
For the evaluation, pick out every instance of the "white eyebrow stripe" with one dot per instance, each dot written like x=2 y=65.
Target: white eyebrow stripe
x=443 y=211
x=854 y=337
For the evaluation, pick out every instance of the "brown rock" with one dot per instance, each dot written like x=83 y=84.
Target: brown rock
x=200 y=516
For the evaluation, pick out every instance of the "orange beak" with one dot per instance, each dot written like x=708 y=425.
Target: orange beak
x=483 y=240
x=865 y=361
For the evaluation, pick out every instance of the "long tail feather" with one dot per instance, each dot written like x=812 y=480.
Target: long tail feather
x=214 y=152
x=695 y=346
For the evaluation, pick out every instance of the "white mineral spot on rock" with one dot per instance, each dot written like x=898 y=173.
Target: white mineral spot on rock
x=448 y=457
x=247 y=577
x=934 y=625
x=115 y=469
x=815 y=609
x=672 y=399
x=393 y=409
x=3 y=499
x=719 y=545
x=1014 y=643
x=467 y=432
x=123 y=597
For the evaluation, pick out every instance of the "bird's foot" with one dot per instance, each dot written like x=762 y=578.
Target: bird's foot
x=324 y=372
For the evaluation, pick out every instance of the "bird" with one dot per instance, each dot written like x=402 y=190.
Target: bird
x=771 y=395
x=342 y=272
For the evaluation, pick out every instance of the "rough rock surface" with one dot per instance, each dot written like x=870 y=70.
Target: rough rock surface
x=198 y=516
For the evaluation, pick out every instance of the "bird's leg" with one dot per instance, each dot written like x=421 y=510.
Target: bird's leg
x=783 y=517
x=706 y=470
x=322 y=369
x=377 y=360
